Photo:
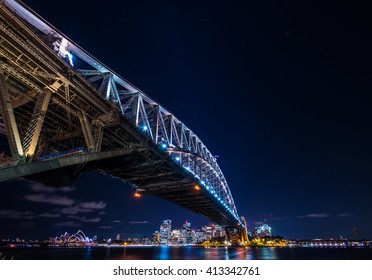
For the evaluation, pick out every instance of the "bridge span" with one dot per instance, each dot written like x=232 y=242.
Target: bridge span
x=64 y=113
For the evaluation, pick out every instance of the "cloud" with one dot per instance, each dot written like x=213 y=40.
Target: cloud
x=15 y=214
x=344 y=215
x=27 y=215
x=38 y=187
x=317 y=215
x=85 y=219
x=54 y=199
x=92 y=220
x=279 y=218
x=67 y=224
x=117 y=221
x=84 y=207
x=73 y=210
x=93 y=205
x=49 y=215
x=138 y=222
x=106 y=227
x=66 y=189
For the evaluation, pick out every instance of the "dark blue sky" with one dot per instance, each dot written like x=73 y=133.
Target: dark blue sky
x=280 y=90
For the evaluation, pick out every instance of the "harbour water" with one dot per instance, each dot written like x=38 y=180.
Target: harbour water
x=186 y=253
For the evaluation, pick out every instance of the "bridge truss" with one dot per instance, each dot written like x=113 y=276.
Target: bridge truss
x=57 y=115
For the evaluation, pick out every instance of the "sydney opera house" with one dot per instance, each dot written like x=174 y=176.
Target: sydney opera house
x=79 y=238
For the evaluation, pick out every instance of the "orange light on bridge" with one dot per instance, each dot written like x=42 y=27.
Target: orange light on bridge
x=197 y=187
x=137 y=195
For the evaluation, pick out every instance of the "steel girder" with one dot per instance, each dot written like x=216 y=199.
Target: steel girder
x=154 y=122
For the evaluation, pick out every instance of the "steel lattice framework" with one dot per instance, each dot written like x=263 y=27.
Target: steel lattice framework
x=48 y=103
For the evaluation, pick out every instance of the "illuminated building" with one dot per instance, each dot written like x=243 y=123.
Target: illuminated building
x=187 y=232
x=218 y=231
x=176 y=236
x=156 y=237
x=77 y=238
x=165 y=232
x=262 y=231
x=207 y=231
x=200 y=236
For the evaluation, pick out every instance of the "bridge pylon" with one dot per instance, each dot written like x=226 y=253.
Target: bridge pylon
x=237 y=235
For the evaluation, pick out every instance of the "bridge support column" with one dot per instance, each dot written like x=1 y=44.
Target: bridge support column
x=155 y=123
x=136 y=109
x=37 y=119
x=87 y=131
x=9 y=119
x=236 y=235
x=97 y=137
x=105 y=86
x=244 y=231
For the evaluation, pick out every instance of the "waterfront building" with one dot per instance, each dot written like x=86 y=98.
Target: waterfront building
x=199 y=236
x=207 y=231
x=78 y=238
x=262 y=231
x=187 y=232
x=219 y=231
x=165 y=232
x=176 y=236
x=156 y=237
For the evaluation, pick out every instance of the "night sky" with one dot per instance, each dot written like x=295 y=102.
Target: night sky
x=280 y=90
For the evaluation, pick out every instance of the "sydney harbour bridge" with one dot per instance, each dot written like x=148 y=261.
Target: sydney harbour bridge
x=64 y=113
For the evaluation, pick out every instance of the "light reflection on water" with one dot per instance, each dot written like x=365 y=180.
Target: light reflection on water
x=186 y=253
x=197 y=253
x=164 y=253
x=247 y=253
x=88 y=253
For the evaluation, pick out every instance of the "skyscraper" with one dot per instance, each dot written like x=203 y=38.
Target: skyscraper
x=187 y=229
x=156 y=237
x=165 y=232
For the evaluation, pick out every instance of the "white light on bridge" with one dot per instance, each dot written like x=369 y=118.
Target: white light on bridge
x=164 y=145
x=177 y=158
x=145 y=128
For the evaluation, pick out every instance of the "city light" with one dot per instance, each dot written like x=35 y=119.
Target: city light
x=197 y=188
x=137 y=195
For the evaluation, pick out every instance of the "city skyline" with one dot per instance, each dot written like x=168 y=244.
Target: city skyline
x=288 y=86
